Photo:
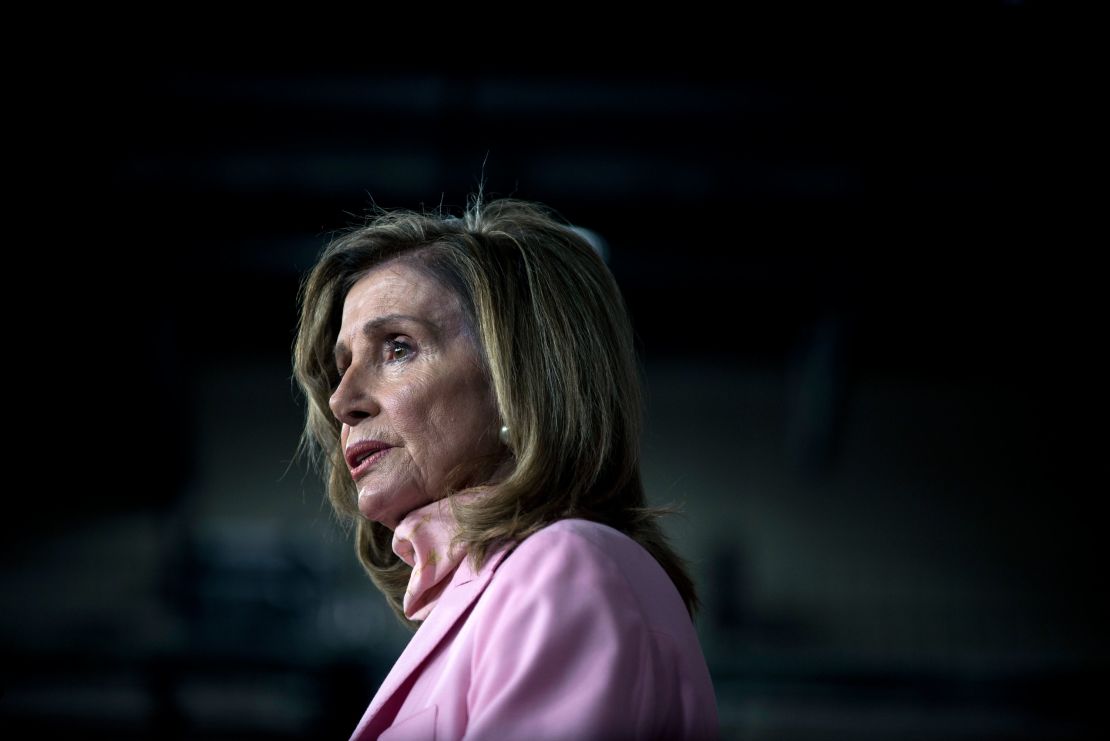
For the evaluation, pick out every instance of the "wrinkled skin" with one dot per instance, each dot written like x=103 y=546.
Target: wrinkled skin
x=414 y=380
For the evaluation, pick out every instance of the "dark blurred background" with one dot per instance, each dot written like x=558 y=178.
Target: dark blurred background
x=866 y=327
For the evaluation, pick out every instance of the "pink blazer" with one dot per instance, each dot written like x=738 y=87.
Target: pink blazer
x=578 y=633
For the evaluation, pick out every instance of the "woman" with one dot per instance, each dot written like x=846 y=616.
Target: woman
x=473 y=400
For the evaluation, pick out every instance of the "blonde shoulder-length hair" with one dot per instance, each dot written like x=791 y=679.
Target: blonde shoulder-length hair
x=558 y=349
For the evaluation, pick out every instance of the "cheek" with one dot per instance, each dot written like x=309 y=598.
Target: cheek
x=468 y=415
x=410 y=409
x=438 y=416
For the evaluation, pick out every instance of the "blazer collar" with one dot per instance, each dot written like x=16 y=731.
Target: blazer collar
x=465 y=587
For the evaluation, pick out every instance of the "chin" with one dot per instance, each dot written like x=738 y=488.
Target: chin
x=370 y=507
x=386 y=509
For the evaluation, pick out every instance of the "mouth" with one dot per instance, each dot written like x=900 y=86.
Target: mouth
x=362 y=456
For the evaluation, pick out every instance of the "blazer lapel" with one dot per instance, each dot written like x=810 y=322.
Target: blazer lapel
x=464 y=589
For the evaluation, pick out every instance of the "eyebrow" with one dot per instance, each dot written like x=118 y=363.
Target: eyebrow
x=375 y=324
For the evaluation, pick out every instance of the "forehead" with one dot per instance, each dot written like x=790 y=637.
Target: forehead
x=398 y=288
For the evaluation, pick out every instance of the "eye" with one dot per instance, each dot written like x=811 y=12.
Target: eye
x=397 y=350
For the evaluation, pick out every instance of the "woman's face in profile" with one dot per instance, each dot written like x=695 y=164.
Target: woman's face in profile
x=412 y=398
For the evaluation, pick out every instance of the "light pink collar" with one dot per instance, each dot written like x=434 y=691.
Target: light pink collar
x=423 y=540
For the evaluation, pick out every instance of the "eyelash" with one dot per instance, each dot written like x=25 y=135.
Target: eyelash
x=393 y=344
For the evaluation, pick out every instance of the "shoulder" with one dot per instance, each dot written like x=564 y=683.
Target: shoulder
x=580 y=625
x=578 y=533
x=591 y=543
x=581 y=558
x=586 y=543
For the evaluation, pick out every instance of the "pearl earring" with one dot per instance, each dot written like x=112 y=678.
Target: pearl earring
x=504 y=435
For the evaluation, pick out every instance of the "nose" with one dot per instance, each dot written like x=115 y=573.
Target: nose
x=353 y=399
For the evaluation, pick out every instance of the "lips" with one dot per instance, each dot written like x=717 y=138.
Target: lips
x=362 y=455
